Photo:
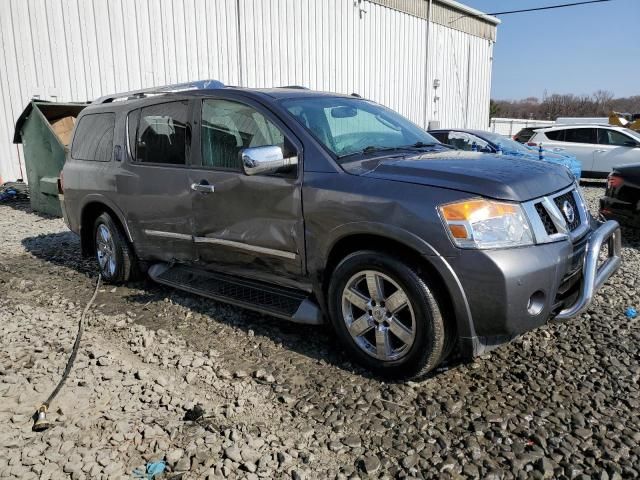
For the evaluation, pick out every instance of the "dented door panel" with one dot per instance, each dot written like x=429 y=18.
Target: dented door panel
x=249 y=222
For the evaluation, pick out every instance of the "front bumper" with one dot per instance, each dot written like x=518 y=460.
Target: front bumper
x=516 y=290
x=594 y=275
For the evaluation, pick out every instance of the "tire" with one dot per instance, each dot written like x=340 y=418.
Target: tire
x=378 y=341
x=115 y=257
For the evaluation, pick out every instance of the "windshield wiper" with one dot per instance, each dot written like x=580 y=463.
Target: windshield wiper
x=375 y=148
x=422 y=145
x=371 y=149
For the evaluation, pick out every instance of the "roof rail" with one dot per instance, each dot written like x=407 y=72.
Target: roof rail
x=178 y=87
x=300 y=87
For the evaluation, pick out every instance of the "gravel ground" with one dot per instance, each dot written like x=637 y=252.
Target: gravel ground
x=281 y=400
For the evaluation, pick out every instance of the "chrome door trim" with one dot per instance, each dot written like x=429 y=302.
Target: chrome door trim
x=160 y=233
x=250 y=248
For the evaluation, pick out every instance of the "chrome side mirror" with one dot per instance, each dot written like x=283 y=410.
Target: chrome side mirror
x=267 y=159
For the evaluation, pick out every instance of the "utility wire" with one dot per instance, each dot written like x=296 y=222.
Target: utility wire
x=549 y=7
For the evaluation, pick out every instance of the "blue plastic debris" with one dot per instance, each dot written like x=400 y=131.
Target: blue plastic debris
x=153 y=470
x=8 y=194
x=631 y=312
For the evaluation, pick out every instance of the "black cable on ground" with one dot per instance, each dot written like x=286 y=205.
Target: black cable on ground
x=40 y=417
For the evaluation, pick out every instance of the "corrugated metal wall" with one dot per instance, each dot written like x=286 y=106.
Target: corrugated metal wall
x=77 y=50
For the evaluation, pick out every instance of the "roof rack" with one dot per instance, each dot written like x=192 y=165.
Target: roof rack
x=178 y=87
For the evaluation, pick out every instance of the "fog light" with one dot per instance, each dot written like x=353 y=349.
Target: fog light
x=536 y=303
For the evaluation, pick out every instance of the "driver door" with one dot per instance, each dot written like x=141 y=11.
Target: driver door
x=614 y=148
x=245 y=225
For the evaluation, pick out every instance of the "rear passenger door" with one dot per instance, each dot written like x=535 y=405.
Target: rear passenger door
x=153 y=186
x=579 y=141
x=247 y=225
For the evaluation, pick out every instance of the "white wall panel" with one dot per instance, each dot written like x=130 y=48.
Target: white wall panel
x=78 y=50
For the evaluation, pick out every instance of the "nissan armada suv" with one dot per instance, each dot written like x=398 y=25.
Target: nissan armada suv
x=316 y=206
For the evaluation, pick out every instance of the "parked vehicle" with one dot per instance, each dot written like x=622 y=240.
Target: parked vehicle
x=525 y=134
x=598 y=147
x=489 y=142
x=312 y=206
x=621 y=200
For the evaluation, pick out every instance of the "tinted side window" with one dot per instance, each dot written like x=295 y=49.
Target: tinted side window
x=581 y=135
x=93 y=139
x=557 y=135
x=228 y=127
x=132 y=129
x=162 y=134
x=441 y=136
x=612 y=137
x=465 y=141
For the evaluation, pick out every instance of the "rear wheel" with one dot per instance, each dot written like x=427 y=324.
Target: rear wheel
x=386 y=315
x=115 y=257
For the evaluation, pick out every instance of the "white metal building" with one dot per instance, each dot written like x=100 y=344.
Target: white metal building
x=428 y=59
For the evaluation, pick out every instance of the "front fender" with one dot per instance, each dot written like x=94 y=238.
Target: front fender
x=462 y=312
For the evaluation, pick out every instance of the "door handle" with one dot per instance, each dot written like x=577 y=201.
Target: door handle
x=202 y=188
x=599 y=151
x=558 y=149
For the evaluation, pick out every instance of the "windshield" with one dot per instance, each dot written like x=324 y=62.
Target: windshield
x=506 y=143
x=349 y=126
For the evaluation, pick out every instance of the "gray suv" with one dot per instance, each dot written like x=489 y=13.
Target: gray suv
x=311 y=206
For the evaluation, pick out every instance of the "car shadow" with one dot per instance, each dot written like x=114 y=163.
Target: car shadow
x=25 y=206
x=318 y=343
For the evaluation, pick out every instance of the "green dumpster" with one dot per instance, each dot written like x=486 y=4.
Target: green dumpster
x=44 y=129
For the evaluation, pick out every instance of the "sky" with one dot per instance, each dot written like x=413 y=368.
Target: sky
x=575 y=50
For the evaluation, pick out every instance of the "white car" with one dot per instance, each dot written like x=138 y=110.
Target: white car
x=599 y=148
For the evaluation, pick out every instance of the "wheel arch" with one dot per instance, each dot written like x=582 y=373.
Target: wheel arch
x=92 y=209
x=414 y=252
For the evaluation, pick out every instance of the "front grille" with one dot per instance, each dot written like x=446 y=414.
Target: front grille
x=560 y=203
x=549 y=227
x=551 y=216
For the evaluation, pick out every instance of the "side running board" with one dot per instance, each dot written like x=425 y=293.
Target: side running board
x=266 y=298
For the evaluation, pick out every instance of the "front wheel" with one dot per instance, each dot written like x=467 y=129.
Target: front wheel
x=386 y=315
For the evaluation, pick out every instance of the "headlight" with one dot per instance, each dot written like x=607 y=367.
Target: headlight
x=483 y=223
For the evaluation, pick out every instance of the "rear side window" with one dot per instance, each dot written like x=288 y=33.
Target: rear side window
x=465 y=141
x=581 y=135
x=162 y=135
x=557 y=135
x=93 y=139
x=132 y=129
x=525 y=134
x=441 y=136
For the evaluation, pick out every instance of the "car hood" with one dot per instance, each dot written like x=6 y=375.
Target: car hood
x=488 y=175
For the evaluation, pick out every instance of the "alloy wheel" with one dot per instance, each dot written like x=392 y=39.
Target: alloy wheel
x=105 y=250
x=378 y=315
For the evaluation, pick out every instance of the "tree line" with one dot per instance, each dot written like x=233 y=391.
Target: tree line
x=550 y=107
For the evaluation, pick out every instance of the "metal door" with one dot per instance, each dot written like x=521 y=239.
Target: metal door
x=153 y=187
x=614 y=148
x=247 y=224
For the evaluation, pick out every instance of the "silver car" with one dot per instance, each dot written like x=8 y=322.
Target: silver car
x=599 y=148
